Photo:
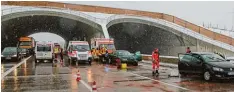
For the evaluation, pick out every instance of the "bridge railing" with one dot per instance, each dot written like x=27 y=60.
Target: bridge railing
x=46 y=8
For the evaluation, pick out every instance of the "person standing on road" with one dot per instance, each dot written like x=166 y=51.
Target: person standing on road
x=155 y=62
x=61 y=54
x=188 y=50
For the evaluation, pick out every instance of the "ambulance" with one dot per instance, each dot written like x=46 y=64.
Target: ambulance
x=103 y=42
x=79 y=52
x=44 y=51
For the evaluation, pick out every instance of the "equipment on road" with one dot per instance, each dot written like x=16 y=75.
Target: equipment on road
x=78 y=78
x=94 y=87
x=79 y=51
x=124 y=66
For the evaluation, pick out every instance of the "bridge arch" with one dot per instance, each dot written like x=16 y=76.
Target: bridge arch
x=91 y=26
x=184 y=36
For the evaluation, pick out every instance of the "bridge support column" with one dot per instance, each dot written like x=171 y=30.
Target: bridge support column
x=105 y=31
x=197 y=45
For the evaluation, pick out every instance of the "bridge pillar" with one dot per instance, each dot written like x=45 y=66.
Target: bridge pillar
x=105 y=31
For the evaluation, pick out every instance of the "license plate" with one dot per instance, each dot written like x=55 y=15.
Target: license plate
x=125 y=59
x=231 y=73
x=8 y=57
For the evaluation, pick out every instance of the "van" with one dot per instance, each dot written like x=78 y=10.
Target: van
x=79 y=52
x=44 y=51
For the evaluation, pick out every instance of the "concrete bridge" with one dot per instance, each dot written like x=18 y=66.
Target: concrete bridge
x=132 y=29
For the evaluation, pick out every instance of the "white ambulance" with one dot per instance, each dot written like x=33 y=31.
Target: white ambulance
x=79 y=51
x=44 y=51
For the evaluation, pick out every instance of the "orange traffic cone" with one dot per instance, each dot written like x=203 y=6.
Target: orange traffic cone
x=94 y=87
x=78 y=78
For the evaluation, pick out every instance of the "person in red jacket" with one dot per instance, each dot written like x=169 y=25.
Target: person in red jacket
x=188 y=50
x=155 y=62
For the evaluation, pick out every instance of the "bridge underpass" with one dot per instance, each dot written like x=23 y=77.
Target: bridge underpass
x=171 y=49
x=66 y=28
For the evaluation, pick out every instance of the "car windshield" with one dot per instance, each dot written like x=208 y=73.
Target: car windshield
x=25 y=43
x=123 y=53
x=80 y=47
x=22 y=50
x=212 y=57
x=108 y=46
x=9 y=49
x=43 y=48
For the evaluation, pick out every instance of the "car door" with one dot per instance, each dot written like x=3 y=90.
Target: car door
x=113 y=56
x=184 y=63
x=196 y=63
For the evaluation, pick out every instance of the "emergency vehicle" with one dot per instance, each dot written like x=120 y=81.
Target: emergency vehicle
x=44 y=51
x=103 y=42
x=79 y=51
x=27 y=43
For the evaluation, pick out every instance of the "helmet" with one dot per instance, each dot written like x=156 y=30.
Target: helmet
x=156 y=49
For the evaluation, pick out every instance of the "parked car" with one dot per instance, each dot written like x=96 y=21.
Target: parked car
x=10 y=53
x=230 y=59
x=124 y=56
x=208 y=65
x=23 y=52
x=138 y=56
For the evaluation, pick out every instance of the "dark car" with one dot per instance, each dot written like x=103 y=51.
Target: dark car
x=10 y=53
x=124 y=56
x=23 y=52
x=208 y=65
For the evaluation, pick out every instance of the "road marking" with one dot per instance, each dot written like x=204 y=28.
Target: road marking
x=160 y=81
x=86 y=85
x=13 y=68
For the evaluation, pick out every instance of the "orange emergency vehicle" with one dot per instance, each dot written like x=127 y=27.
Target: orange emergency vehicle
x=103 y=42
x=27 y=43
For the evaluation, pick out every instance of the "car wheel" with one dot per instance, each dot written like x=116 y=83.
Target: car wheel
x=207 y=76
x=183 y=74
x=136 y=64
x=109 y=61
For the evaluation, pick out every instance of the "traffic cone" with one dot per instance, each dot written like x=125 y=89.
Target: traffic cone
x=78 y=78
x=94 y=87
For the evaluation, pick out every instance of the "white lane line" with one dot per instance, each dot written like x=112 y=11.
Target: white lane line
x=160 y=81
x=13 y=68
x=86 y=85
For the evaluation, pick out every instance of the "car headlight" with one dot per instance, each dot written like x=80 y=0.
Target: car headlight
x=2 y=56
x=14 y=55
x=217 y=69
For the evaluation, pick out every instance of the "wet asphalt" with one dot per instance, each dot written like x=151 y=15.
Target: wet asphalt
x=46 y=77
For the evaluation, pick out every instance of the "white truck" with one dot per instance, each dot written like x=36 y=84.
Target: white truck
x=44 y=51
x=79 y=52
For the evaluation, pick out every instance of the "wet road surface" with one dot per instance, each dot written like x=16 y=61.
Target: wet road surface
x=45 y=77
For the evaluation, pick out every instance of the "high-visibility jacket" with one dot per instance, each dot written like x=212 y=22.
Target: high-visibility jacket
x=103 y=51
x=94 y=52
x=56 y=50
x=98 y=52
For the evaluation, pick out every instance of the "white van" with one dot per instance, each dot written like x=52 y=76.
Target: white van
x=44 y=51
x=79 y=51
